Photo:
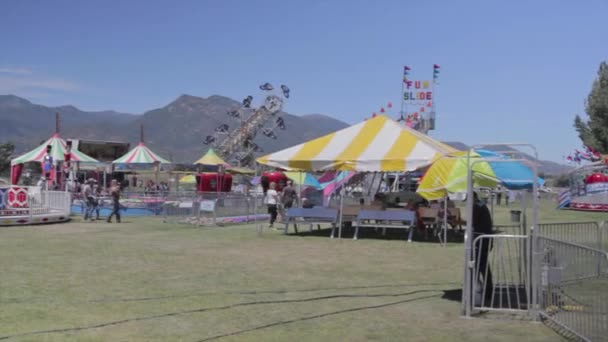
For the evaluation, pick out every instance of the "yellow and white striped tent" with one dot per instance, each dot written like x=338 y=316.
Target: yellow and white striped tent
x=379 y=144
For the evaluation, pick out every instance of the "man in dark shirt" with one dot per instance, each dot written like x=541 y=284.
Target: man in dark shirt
x=290 y=195
x=482 y=225
x=115 y=192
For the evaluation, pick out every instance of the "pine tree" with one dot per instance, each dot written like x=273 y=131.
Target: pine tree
x=6 y=151
x=594 y=132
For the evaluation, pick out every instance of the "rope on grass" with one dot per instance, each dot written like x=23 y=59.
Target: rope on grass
x=226 y=307
x=307 y=318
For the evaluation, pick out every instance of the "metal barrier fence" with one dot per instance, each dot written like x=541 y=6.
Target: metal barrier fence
x=573 y=288
x=501 y=279
x=58 y=201
x=212 y=208
x=589 y=234
x=32 y=200
x=562 y=277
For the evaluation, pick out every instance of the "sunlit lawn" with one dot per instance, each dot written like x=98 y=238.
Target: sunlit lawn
x=148 y=281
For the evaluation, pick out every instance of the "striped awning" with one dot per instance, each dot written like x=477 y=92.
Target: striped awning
x=378 y=144
x=140 y=155
x=58 y=150
x=211 y=158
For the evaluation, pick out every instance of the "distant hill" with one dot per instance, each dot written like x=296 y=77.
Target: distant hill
x=175 y=131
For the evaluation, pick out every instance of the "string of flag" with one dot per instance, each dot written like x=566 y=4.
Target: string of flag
x=578 y=156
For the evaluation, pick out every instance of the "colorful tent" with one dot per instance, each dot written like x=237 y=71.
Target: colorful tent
x=240 y=171
x=140 y=155
x=449 y=174
x=188 y=179
x=303 y=178
x=57 y=152
x=378 y=144
x=211 y=158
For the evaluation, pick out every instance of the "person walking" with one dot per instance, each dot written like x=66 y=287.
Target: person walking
x=483 y=225
x=115 y=193
x=290 y=195
x=89 y=197
x=498 y=194
x=98 y=200
x=272 y=199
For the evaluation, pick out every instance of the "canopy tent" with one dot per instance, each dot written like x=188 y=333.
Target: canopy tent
x=211 y=158
x=140 y=154
x=188 y=179
x=449 y=174
x=303 y=178
x=58 y=152
x=240 y=171
x=376 y=145
x=379 y=144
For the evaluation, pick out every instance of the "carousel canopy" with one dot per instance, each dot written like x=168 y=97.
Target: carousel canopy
x=58 y=150
x=211 y=158
x=140 y=154
x=378 y=144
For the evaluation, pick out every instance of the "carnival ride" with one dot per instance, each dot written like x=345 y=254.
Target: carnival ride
x=588 y=189
x=237 y=145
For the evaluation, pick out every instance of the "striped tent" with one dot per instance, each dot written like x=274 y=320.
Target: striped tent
x=211 y=158
x=57 y=152
x=379 y=144
x=140 y=155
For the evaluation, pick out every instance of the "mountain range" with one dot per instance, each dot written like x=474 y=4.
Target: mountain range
x=175 y=131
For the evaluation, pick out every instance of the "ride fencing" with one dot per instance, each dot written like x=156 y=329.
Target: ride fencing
x=573 y=289
x=33 y=200
x=501 y=281
x=561 y=278
x=212 y=208
x=589 y=234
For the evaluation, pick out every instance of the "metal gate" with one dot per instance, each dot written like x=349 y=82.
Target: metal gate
x=558 y=273
x=501 y=278
x=573 y=289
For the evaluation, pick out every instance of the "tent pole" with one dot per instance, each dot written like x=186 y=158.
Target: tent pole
x=445 y=221
x=379 y=183
x=371 y=184
x=341 y=210
x=467 y=294
x=255 y=203
x=300 y=190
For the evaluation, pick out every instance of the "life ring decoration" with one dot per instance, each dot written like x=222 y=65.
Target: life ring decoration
x=17 y=198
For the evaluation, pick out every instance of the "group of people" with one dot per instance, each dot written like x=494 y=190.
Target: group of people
x=93 y=194
x=279 y=200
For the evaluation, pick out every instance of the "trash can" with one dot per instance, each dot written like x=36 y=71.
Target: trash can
x=516 y=216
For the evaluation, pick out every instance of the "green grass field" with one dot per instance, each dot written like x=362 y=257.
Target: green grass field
x=148 y=281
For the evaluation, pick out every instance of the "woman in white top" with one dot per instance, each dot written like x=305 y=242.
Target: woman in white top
x=272 y=199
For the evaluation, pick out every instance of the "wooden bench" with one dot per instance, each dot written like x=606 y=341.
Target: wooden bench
x=405 y=219
x=314 y=215
x=350 y=213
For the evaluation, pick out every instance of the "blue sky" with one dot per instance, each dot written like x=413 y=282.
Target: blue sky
x=511 y=71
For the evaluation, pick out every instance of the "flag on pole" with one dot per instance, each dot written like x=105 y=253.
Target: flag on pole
x=435 y=72
x=406 y=72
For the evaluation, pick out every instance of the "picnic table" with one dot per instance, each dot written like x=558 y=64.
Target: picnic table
x=313 y=215
x=405 y=219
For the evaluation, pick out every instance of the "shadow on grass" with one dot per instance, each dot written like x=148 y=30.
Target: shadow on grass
x=454 y=295
x=348 y=232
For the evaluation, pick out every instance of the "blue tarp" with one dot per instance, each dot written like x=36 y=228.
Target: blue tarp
x=513 y=175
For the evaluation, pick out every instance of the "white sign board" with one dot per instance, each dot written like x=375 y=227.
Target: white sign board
x=208 y=205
